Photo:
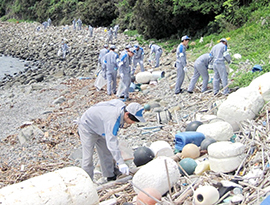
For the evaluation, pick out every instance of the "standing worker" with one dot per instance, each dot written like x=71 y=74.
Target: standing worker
x=115 y=30
x=220 y=54
x=110 y=36
x=79 y=22
x=90 y=28
x=124 y=70
x=49 y=22
x=138 y=58
x=102 y=53
x=98 y=128
x=110 y=67
x=181 y=62
x=45 y=25
x=157 y=50
x=74 y=24
x=200 y=69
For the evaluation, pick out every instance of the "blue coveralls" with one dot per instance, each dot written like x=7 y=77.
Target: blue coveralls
x=98 y=128
x=124 y=70
x=110 y=67
x=220 y=54
x=74 y=24
x=158 y=52
x=138 y=58
x=200 y=69
x=181 y=62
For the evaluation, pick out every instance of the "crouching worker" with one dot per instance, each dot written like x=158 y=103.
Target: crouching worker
x=98 y=128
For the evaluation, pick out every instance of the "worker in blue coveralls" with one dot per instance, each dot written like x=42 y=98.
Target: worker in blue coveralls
x=220 y=54
x=157 y=50
x=138 y=58
x=90 y=28
x=98 y=127
x=115 y=31
x=110 y=67
x=125 y=70
x=181 y=63
x=201 y=66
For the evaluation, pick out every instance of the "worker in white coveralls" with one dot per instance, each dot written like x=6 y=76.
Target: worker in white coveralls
x=220 y=54
x=125 y=70
x=181 y=62
x=201 y=66
x=157 y=50
x=110 y=66
x=98 y=128
x=138 y=58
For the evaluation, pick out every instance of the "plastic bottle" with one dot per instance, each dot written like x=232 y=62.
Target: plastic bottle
x=183 y=138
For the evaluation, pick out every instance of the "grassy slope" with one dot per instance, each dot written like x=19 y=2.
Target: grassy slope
x=252 y=41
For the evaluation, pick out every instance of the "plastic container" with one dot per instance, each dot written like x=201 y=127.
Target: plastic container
x=183 y=138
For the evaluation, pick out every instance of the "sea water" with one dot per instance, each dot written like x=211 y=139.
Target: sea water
x=10 y=66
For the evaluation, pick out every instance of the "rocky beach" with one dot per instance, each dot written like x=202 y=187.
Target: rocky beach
x=39 y=107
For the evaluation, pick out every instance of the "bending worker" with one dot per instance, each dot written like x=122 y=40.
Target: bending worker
x=124 y=70
x=181 y=62
x=201 y=66
x=138 y=58
x=110 y=67
x=157 y=50
x=98 y=128
x=220 y=54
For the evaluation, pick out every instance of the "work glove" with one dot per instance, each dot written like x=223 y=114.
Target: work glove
x=181 y=55
x=121 y=63
x=123 y=168
x=185 y=69
x=121 y=75
x=115 y=68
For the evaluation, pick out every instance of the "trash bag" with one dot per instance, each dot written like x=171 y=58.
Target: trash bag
x=121 y=88
x=59 y=52
x=100 y=81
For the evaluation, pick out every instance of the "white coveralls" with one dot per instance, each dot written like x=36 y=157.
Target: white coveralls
x=74 y=24
x=220 y=54
x=138 y=58
x=98 y=127
x=116 y=28
x=79 y=22
x=158 y=52
x=102 y=53
x=110 y=36
x=110 y=67
x=64 y=48
x=200 y=69
x=124 y=70
x=181 y=62
x=90 y=28
x=45 y=25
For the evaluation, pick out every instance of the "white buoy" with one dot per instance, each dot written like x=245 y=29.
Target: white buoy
x=154 y=175
x=71 y=185
x=161 y=148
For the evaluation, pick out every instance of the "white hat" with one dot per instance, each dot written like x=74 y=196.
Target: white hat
x=133 y=50
x=185 y=38
x=112 y=47
x=223 y=40
x=137 y=110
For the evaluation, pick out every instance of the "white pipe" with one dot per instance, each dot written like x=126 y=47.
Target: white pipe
x=70 y=185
